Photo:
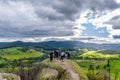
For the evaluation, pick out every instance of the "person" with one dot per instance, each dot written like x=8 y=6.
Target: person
x=57 y=54
x=51 y=56
x=54 y=54
x=62 y=55
x=68 y=55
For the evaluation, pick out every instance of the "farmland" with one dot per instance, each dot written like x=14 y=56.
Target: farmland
x=97 y=62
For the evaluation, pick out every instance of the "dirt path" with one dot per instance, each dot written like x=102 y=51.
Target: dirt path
x=72 y=75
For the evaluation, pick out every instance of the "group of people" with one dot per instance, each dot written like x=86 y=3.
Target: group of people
x=59 y=55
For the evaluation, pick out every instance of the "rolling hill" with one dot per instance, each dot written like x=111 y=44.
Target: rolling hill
x=61 y=44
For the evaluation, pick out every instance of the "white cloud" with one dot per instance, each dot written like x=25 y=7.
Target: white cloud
x=40 y=20
x=78 y=24
x=118 y=1
x=102 y=21
x=22 y=19
x=17 y=13
x=114 y=32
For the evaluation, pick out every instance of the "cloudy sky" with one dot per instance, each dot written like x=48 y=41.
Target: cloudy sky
x=80 y=20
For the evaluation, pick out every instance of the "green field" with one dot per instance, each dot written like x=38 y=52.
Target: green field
x=18 y=53
x=114 y=66
x=100 y=61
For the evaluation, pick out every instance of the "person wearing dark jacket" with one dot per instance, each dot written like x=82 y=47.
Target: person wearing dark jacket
x=68 y=55
x=51 y=56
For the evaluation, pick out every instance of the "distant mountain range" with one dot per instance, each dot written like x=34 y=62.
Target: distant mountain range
x=61 y=44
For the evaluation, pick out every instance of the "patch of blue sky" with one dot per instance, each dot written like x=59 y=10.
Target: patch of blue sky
x=91 y=30
x=93 y=17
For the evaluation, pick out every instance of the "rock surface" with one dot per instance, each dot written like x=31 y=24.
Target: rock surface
x=49 y=73
x=72 y=74
x=9 y=76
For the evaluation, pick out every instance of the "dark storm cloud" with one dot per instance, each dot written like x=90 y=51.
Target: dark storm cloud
x=70 y=9
x=31 y=18
x=115 y=21
x=116 y=36
x=46 y=33
x=65 y=9
x=84 y=38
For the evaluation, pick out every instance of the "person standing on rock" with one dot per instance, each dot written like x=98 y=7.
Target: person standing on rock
x=56 y=54
x=51 y=56
x=68 y=55
x=62 y=55
x=59 y=53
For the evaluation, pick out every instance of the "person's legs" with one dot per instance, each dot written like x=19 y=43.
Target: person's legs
x=57 y=55
x=51 y=58
x=62 y=58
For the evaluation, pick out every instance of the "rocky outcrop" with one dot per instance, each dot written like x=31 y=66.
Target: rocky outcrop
x=48 y=73
x=9 y=76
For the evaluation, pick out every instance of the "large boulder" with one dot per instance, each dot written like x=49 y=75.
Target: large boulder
x=48 y=73
x=9 y=76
